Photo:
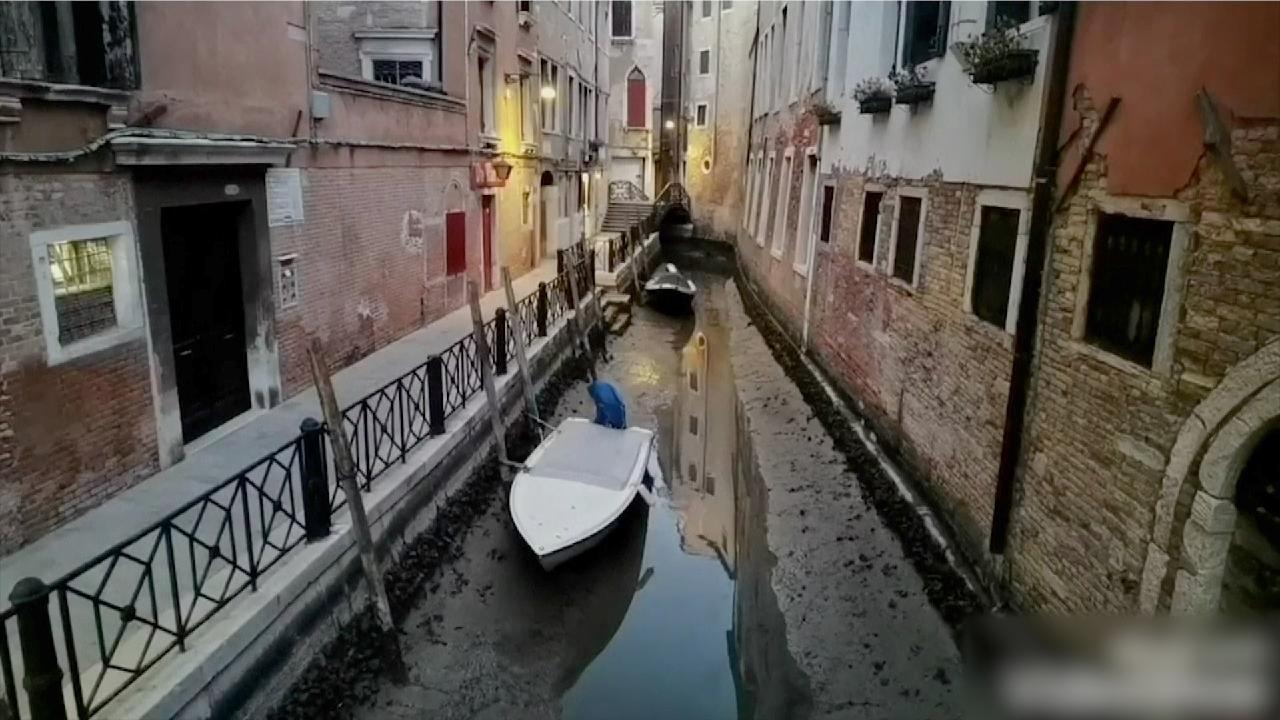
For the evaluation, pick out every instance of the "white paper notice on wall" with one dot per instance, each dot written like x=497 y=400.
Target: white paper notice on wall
x=284 y=196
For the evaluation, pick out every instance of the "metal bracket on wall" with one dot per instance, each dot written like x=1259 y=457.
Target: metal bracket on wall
x=1218 y=139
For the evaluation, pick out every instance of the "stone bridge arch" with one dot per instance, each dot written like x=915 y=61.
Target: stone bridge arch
x=1195 y=515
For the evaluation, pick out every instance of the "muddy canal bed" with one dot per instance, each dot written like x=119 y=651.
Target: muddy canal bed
x=759 y=584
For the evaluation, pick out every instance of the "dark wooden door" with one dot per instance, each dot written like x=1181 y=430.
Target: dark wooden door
x=486 y=206
x=206 y=313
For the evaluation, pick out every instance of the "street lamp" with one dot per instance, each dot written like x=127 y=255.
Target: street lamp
x=548 y=92
x=670 y=124
x=503 y=170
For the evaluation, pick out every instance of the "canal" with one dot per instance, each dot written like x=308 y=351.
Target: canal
x=675 y=614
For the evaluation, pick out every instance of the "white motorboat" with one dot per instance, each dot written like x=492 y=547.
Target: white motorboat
x=575 y=486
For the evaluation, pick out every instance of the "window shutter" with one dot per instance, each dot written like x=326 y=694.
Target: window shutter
x=455 y=231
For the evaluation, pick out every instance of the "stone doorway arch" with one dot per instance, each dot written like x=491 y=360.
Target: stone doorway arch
x=1195 y=514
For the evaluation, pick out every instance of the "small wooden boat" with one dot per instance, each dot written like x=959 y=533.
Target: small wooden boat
x=670 y=291
x=575 y=486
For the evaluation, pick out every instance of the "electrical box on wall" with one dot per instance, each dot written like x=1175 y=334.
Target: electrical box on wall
x=321 y=106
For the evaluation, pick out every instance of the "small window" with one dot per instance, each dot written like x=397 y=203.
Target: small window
x=870 y=225
x=707 y=7
x=693 y=474
x=925 y=35
x=484 y=75
x=700 y=115
x=693 y=380
x=621 y=18
x=287 y=280
x=693 y=425
x=709 y=484
x=549 y=93
x=397 y=72
x=526 y=207
x=993 y=265
x=828 y=207
x=524 y=5
x=726 y=5
x=455 y=231
x=1126 y=290
x=83 y=292
x=1014 y=12
x=906 y=245
x=704 y=62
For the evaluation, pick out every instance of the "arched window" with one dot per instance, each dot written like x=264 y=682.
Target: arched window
x=636 y=110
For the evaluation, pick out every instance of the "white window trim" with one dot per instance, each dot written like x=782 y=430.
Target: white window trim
x=753 y=178
x=763 y=223
x=403 y=45
x=1012 y=200
x=801 y=264
x=1175 y=277
x=915 y=192
x=857 y=238
x=707 y=16
x=778 y=244
x=486 y=52
x=706 y=50
x=126 y=293
x=297 y=286
x=632 y=36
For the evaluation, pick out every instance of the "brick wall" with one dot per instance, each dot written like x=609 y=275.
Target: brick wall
x=1100 y=431
x=74 y=434
x=371 y=260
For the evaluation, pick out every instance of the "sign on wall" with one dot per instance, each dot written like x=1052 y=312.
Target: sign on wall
x=284 y=196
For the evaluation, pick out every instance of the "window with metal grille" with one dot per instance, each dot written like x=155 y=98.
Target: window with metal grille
x=621 y=18
x=83 y=292
x=993 y=265
x=455 y=235
x=1130 y=259
x=828 y=207
x=287 y=280
x=396 y=72
x=925 y=35
x=904 y=254
x=870 y=223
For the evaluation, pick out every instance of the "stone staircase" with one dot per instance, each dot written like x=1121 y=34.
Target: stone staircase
x=620 y=215
x=616 y=310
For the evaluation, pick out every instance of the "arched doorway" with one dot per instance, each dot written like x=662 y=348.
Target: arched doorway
x=547 y=214
x=1251 y=579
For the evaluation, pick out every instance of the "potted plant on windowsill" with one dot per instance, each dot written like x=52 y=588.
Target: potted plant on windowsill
x=999 y=54
x=910 y=87
x=874 y=96
x=825 y=113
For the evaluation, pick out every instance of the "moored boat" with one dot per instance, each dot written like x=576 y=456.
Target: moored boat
x=670 y=291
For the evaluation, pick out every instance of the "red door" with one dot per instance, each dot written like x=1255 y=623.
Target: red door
x=486 y=237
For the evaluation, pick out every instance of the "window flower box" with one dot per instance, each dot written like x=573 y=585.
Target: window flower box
x=910 y=87
x=825 y=114
x=999 y=54
x=1012 y=66
x=874 y=96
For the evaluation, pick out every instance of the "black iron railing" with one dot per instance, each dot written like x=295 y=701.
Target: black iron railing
x=118 y=614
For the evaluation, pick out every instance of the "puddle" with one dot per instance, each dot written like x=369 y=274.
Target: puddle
x=702 y=636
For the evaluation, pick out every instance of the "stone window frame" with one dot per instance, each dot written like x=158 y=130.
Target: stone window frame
x=1175 y=280
x=763 y=224
x=857 y=235
x=1008 y=200
x=279 y=263
x=125 y=288
x=916 y=192
x=801 y=264
x=778 y=241
x=422 y=45
x=706 y=114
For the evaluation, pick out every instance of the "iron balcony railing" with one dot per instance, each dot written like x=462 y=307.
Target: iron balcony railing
x=118 y=614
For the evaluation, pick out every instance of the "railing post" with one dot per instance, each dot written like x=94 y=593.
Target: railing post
x=435 y=394
x=500 y=341
x=42 y=676
x=540 y=310
x=316 y=509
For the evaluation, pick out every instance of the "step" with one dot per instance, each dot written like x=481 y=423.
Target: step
x=615 y=298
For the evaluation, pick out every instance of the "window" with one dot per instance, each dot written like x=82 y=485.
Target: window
x=524 y=5
x=693 y=425
x=571 y=114
x=400 y=57
x=828 y=207
x=287 y=280
x=484 y=74
x=693 y=380
x=526 y=207
x=526 y=102
x=726 y=5
x=636 y=113
x=704 y=62
x=906 y=244
x=804 y=229
x=869 y=226
x=707 y=6
x=86 y=286
x=762 y=227
x=993 y=264
x=622 y=18
x=780 y=53
x=549 y=94
x=784 y=202
x=1126 y=290
x=1015 y=12
x=700 y=115
x=79 y=43
x=455 y=234
x=395 y=72
x=925 y=32
x=753 y=168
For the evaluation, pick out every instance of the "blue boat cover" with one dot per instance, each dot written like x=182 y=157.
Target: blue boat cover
x=611 y=411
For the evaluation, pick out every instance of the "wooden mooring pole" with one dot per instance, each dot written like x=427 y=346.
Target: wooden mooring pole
x=522 y=360
x=486 y=378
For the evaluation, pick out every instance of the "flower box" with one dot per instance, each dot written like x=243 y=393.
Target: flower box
x=1011 y=66
x=875 y=105
x=914 y=94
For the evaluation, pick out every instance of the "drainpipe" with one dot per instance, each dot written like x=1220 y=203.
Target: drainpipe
x=1024 y=338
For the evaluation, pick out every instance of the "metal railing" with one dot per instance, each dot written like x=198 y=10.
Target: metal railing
x=118 y=614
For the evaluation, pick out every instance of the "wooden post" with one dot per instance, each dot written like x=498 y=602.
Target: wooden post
x=522 y=360
x=345 y=468
x=575 y=325
x=486 y=376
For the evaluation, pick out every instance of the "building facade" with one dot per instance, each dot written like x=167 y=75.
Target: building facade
x=896 y=227
x=635 y=63
x=187 y=201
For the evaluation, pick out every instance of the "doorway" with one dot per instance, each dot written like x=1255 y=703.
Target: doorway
x=201 y=245
x=486 y=238
x=548 y=212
